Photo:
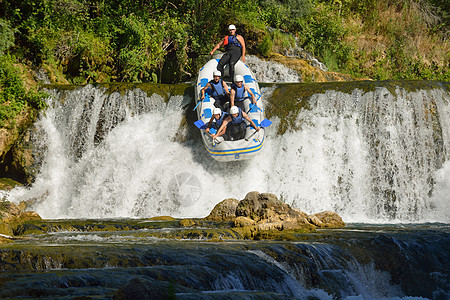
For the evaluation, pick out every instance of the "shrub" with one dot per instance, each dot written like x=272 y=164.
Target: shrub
x=6 y=36
x=13 y=95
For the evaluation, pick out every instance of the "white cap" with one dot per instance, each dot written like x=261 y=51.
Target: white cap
x=217 y=73
x=238 y=78
x=231 y=27
x=234 y=110
x=217 y=111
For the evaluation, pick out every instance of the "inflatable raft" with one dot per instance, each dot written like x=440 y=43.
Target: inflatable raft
x=220 y=149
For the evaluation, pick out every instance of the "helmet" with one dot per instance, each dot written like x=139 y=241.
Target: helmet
x=217 y=73
x=217 y=111
x=231 y=27
x=234 y=110
x=238 y=78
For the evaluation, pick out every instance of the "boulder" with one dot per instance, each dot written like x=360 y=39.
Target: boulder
x=266 y=207
x=242 y=222
x=329 y=219
x=12 y=215
x=315 y=221
x=224 y=211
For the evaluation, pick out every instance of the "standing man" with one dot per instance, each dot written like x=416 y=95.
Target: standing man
x=235 y=48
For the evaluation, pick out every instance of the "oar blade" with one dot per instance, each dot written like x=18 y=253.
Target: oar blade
x=200 y=124
x=266 y=123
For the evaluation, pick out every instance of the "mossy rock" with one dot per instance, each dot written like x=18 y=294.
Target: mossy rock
x=289 y=99
x=189 y=223
x=224 y=210
x=162 y=218
x=8 y=184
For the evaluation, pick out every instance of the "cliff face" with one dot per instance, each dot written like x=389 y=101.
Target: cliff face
x=16 y=157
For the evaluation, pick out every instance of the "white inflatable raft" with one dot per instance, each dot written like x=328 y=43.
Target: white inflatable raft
x=221 y=149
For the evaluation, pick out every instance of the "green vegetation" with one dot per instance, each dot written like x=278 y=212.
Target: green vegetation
x=160 y=41
x=87 y=41
x=14 y=98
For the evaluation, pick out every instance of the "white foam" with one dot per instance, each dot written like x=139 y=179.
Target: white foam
x=351 y=154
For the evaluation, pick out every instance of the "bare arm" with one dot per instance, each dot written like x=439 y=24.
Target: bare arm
x=225 y=86
x=250 y=121
x=222 y=128
x=209 y=125
x=251 y=93
x=204 y=89
x=232 y=96
x=216 y=47
x=241 y=40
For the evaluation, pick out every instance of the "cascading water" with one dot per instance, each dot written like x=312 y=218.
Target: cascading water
x=372 y=156
x=376 y=156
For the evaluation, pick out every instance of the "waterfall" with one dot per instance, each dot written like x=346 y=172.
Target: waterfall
x=375 y=156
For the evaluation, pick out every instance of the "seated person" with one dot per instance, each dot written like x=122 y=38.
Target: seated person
x=234 y=126
x=237 y=92
x=219 y=89
x=217 y=120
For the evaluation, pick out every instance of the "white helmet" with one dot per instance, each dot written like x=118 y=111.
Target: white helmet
x=234 y=110
x=231 y=27
x=217 y=111
x=217 y=73
x=238 y=78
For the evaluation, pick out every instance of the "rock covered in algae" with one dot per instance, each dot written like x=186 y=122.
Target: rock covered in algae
x=328 y=219
x=224 y=210
x=259 y=212
x=265 y=207
x=12 y=215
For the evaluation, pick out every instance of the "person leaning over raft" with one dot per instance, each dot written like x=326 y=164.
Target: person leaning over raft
x=217 y=120
x=234 y=125
x=235 y=48
x=237 y=93
x=220 y=90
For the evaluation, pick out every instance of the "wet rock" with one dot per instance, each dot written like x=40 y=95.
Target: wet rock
x=162 y=218
x=189 y=223
x=8 y=184
x=329 y=219
x=12 y=215
x=224 y=211
x=315 y=221
x=266 y=207
x=145 y=289
x=242 y=222
x=16 y=154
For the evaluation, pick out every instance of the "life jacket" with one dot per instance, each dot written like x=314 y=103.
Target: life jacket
x=240 y=91
x=239 y=119
x=217 y=88
x=231 y=41
x=219 y=121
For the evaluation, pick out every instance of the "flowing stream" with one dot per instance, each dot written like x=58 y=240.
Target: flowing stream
x=379 y=157
x=375 y=156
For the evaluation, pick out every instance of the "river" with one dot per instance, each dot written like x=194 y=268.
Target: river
x=378 y=154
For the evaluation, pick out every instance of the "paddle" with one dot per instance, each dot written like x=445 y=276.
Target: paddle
x=265 y=123
x=201 y=125
x=198 y=103
x=253 y=104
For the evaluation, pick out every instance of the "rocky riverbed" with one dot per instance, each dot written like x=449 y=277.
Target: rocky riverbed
x=257 y=216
